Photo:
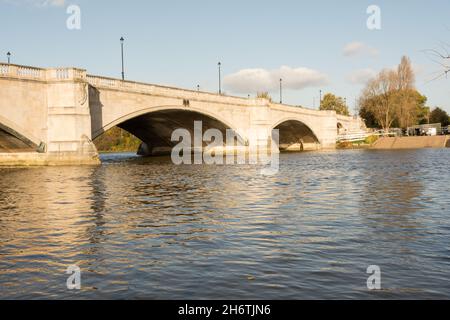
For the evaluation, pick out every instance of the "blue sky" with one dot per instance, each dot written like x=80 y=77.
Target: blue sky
x=313 y=45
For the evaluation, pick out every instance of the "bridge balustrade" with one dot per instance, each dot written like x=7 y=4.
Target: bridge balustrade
x=26 y=72
x=11 y=70
x=4 y=69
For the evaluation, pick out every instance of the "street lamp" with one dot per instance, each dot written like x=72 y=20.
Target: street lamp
x=9 y=57
x=320 y=97
x=281 y=91
x=123 y=68
x=198 y=88
x=220 y=78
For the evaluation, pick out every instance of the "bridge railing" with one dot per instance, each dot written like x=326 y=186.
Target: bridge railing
x=11 y=70
x=352 y=136
x=60 y=74
x=71 y=74
x=105 y=82
x=4 y=69
x=112 y=83
x=26 y=72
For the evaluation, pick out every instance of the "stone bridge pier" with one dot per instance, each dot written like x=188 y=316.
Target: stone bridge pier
x=50 y=117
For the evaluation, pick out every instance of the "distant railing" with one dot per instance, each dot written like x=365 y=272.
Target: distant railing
x=351 y=137
x=360 y=135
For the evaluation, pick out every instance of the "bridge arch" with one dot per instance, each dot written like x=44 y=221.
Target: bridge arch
x=123 y=118
x=296 y=135
x=155 y=125
x=13 y=138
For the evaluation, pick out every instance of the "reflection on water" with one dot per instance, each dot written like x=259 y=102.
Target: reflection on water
x=144 y=228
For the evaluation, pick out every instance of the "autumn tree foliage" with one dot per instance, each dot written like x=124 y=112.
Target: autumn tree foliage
x=391 y=99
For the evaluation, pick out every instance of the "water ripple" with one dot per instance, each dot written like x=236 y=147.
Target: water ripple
x=144 y=228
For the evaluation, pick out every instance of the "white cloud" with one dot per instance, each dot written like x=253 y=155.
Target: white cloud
x=361 y=76
x=38 y=3
x=254 y=80
x=358 y=48
x=56 y=3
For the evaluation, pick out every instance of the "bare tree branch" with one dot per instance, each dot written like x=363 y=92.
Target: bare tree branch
x=443 y=56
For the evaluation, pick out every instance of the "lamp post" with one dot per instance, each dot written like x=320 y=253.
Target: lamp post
x=122 y=40
x=220 y=78
x=9 y=57
x=281 y=91
x=320 y=97
x=198 y=88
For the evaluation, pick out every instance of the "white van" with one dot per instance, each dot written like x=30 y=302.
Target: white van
x=431 y=132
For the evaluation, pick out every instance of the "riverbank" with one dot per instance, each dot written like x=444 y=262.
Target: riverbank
x=434 y=142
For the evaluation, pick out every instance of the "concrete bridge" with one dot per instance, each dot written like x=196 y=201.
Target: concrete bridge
x=50 y=116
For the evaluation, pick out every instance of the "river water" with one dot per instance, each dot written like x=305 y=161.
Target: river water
x=145 y=228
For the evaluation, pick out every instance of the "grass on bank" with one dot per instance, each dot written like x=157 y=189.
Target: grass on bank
x=366 y=143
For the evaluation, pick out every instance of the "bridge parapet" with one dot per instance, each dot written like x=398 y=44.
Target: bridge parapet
x=166 y=91
x=302 y=110
x=61 y=74
x=41 y=74
x=22 y=72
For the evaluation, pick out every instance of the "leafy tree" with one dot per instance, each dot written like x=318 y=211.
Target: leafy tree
x=410 y=107
x=439 y=116
x=406 y=98
x=378 y=98
x=392 y=100
x=423 y=116
x=332 y=102
x=117 y=140
x=366 y=113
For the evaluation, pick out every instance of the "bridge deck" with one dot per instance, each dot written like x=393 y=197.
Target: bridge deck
x=70 y=74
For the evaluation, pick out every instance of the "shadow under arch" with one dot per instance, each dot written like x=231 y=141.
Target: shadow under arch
x=14 y=139
x=295 y=135
x=154 y=127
